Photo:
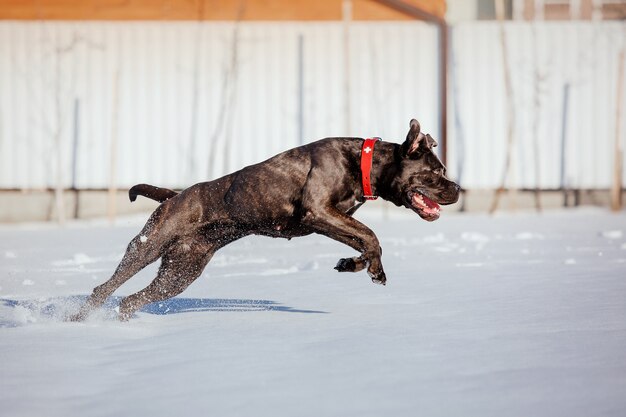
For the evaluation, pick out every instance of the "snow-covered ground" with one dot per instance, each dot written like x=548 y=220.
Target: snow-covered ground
x=517 y=315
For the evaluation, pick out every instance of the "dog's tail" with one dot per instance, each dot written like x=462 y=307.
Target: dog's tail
x=152 y=192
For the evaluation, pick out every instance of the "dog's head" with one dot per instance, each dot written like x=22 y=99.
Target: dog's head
x=420 y=182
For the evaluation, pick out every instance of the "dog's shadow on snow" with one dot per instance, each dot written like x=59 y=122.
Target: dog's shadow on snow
x=185 y=305
x=59 y=308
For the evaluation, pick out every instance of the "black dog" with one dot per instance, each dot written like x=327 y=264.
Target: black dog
x=315 y=188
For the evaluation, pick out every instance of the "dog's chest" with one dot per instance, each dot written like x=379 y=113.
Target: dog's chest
x=284 y=228
x=349 y=206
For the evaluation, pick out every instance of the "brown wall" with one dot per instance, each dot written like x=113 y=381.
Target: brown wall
x=206 y=9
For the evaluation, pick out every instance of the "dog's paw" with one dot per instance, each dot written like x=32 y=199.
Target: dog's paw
x=378 y=278
x=81 y=315
x=346 y=265
x=75 y=317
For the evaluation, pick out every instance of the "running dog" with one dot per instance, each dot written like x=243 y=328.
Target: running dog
x=314 y=188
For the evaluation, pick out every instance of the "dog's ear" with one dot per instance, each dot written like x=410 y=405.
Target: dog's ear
x=430 y=142
x=416 y=142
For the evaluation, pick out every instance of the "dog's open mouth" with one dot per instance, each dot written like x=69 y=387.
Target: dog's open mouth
x=424 y=206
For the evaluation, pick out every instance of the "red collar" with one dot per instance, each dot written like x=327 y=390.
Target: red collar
x=367 y=151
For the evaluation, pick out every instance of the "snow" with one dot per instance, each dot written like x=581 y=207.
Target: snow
x=517 y=315
x=613 y=234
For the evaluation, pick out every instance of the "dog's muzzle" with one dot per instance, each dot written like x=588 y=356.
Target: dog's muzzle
x=424 y=206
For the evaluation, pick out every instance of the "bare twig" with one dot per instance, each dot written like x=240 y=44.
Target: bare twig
x=347 y=19
x=112 y=194
x=228 y=91
x=538 y=78
x=193 y=130
x=58 y=189
x=55 y=128
x=459 y=133
x=509 y=105
x=616 y=189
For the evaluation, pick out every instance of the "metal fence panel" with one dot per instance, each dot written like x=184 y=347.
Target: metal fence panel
x=172 y=103
x=546 y=60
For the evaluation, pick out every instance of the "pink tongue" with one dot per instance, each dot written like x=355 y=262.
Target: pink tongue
x=430 y=203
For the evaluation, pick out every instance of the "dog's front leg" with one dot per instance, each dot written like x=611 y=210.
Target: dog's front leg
x=345 y=229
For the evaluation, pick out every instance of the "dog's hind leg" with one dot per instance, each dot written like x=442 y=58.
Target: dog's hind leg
x=138 y=255
x=144 y=249
x=159 y=237
x=180 y=266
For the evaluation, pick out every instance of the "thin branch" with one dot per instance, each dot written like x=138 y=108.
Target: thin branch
x=538 y=78
x=193 y=130
x=228 y=88
x=509 y=106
